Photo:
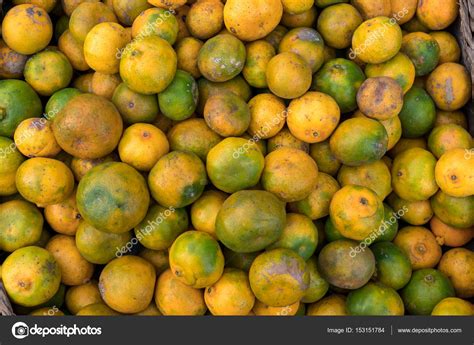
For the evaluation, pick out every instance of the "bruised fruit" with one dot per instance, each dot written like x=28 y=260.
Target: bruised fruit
x=343 y=266
x=227 y=114
x=31 y=276
x=221 y=58
x=457 y=265
x=89 y=126
x=380 y=98
x=279 y=277
x=27 y=29
x=450 y=86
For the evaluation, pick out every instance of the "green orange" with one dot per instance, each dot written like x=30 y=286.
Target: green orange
x=250 y=220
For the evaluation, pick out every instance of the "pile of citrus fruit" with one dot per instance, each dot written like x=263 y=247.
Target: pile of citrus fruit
x=239 y=157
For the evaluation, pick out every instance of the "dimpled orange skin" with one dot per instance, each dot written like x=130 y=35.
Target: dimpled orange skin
x=75 y=270
x=290 y=174
x=437 y=15
x=288 y=75
x=105 y=84
x=376 y=40
x=231 y=294
x=454 y=173
x=279 y=277
x=316 y=205
x=420 y=245
x=449 y=47
x=449 y=235
x=34 y=138
x=453 y=306
x=313 y=117
x=356 y=211
x=88 y=127
x=403 y=10
x=297 y=6
x=371 y=9
x=187 y=51
x=250 y=20
x=334 y=305
x=375 y=176
x=148 y=65
x=31 y=276
x=458 y=265
x=101 y=46
x=73 y=50
x=451 y=117
x=86 y=16
x=268 y=113
x=44 y=181
x=393 y=126
x=64 y=217
x=305 y=19
x=173 y=297
x=205 y=19
x=337 y=24
x=450 y=86
x=447 y=137
x=27 y=29
x=80 y=296
x=127 y=284
x=142 y=145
